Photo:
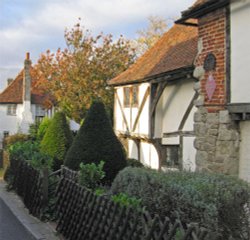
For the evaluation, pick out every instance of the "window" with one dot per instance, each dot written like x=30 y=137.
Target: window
x=131 y=96
x=6 y=134
x=11 y=109
x=135 y=96
x=126 y=97
x=39 y=111
x=172 y=156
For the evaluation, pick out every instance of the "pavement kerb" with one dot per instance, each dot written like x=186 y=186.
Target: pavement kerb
x=37 y=229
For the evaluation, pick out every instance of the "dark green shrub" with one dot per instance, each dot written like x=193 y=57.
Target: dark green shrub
x=95 y=142
x=131 y=162
x=217 y=202
x=57 y=139
x=91 y=174
x=33 y=130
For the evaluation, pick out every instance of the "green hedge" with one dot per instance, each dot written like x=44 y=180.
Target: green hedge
x=217 y=202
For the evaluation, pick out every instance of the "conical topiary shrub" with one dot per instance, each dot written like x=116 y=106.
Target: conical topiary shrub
x=96 y=142
x=57 y=139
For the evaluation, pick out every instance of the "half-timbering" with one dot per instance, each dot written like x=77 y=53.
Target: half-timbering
x=154 y=108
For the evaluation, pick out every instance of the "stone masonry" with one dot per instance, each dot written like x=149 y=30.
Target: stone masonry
x=217 y=142
x=217 y=135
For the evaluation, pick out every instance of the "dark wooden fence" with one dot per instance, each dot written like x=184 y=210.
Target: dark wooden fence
x=83 y=215
x=31 y=185
x=80 y=214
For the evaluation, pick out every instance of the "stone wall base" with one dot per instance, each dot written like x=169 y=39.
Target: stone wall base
x=217 y=142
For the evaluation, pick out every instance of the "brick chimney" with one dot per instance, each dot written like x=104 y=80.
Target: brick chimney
x=27 y=79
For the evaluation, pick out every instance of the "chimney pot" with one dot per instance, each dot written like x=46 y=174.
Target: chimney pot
x=9 y=81
x=27 y=56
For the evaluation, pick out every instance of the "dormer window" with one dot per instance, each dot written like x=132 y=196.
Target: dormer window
x=11 y=109
x=130 y=95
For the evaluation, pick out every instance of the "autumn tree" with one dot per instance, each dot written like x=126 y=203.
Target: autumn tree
x=147 y=37
x=78 y=74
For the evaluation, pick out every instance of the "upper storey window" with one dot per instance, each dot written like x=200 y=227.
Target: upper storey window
x=11 y=109
x=131 y=96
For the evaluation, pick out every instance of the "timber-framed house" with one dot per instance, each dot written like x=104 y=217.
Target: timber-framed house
x=153 y=106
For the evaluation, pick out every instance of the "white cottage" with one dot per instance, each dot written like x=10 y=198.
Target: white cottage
x=222 y=120
x=20 y=105
x=153 y=106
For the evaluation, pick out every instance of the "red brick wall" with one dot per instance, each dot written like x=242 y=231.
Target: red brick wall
x=212 y=31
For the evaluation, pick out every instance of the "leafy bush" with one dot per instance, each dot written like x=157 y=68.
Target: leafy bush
x=29 y=151
x=91 y=174
x=57 y=139
x=131 y=162
x=18 y=137
x=124 y=200
x=217 y=202
x=95 y=142
x=23 y=150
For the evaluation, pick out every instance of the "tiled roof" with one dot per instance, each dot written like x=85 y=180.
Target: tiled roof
x=176 y=49
x=13 y=93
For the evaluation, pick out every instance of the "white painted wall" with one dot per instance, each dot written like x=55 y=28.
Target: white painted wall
x=131 y=114
x=169 y=113
x=172 y=107
x=244 y=168
x=8 y=122
x=149 y=155
x=132 y=150
x=240 y=51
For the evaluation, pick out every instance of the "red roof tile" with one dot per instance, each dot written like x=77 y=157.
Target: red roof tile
x=13 y=93
x=176 y=49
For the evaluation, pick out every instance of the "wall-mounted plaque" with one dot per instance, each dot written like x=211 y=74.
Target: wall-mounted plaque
x=210 y=62
x=210 y=86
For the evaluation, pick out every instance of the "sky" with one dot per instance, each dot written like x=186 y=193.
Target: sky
x=37 y=25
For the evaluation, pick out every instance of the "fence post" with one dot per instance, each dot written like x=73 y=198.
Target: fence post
x=45 y=185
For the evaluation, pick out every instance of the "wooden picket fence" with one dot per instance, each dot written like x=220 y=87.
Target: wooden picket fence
x=31 y=185
x=83 y=215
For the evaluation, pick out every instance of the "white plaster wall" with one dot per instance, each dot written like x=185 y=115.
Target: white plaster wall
x=118 y=120
x=188 y=154
x=174 y=103
x=8 y=122
x=240 y=51
x=143 y=124
x=244 y=168
x=149 y=155
x=131 y=114
x=132 y=150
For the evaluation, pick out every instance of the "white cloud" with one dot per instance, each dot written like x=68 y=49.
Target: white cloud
x=40 y=25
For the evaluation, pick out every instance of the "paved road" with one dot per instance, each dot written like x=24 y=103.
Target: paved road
x=10 y=227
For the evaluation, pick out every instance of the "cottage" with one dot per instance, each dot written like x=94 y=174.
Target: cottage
x=222 y=119
x=153 y=106
x=20 y=104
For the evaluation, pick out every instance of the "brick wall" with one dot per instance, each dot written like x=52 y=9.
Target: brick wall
x=217 y=135
x=212 y=34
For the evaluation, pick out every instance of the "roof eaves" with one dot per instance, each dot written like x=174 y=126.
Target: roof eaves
x=200 y=10
x=165 y=76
